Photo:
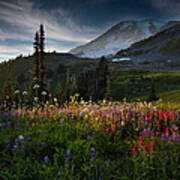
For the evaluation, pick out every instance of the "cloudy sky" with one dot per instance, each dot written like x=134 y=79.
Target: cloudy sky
x=70 y=23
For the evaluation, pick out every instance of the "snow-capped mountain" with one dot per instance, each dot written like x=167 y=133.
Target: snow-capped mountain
x=120 y=36
x=161 y=47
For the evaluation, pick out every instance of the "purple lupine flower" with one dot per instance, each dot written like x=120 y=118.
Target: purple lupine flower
x=42 y=143
x=152 y=132
x=23 y=145
x=15 y=149
x=28 y=139
x=158 y=133
x=172 y=139
x=9 y=123
x=81 y=114
x=141 y=133
x=7 y=142
x=93 y=152
x=18 y=129
x=41 y=134
x=58 y=173
x=68 y=156
x=46 y=160
x=16 y=140
x=26 y=135
x=15 y=146
x=164 y=137
x=147 y=132
x=175 y=128
x=88 y=138
x=175 y=138
x=3 y=125
x=88 y=126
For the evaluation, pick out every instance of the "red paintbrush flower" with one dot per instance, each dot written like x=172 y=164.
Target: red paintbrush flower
x=155 y=113
x=145 y=148
x=152 y=144
x=173 y=115
x=167 y=131
x=140 y=140
x=161 y=114
x=134 y=150
x=113 y=125
x=104 y=127
x=159 y=125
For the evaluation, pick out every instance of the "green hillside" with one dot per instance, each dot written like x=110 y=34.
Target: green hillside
x=170 y=96
x=125 y=82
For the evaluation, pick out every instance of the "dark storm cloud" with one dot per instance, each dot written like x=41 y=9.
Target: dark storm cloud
x=69 y=23
x=169 y=7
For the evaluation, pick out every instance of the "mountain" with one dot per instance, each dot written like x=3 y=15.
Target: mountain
x=120 y=36
x=163 y=46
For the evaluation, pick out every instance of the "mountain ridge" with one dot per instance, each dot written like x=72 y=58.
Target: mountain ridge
x=163 y=45
x=119 y=36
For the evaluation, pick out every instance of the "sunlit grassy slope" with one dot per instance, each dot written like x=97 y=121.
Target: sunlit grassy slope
x=170 y=96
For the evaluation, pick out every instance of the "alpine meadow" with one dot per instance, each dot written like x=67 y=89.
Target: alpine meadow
x=89 y=90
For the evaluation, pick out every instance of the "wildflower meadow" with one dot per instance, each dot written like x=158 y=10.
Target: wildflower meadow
x=88 y=140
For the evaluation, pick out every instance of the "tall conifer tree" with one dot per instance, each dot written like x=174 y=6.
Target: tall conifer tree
x=101 y=78
x=35 y=72
x=41 y=57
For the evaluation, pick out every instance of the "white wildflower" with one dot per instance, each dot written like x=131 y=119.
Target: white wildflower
x=36 y=86
x=51 y=106
x=21 y=137
x=36 y=98
x=55 y=100
x=122 y=123
x=16 y=91
x=43 y=93
x=25 y=93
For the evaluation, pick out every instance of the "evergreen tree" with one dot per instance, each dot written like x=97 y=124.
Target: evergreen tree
x=59 y=93
x=35 y=79
x=67 y=86
x=108 y=90
x=101 y=78
x=74 y=86
x=41 y=58
x=16 y=92
x=27 y=87
x=7 y=91
x=35 y=72
x=152 y=95
x=86 y=85
x=27 y=94
x=38 y=74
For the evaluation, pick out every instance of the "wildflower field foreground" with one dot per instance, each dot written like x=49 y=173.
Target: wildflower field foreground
x=84 y=140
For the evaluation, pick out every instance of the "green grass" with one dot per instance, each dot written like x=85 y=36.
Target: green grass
x=170 y=96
